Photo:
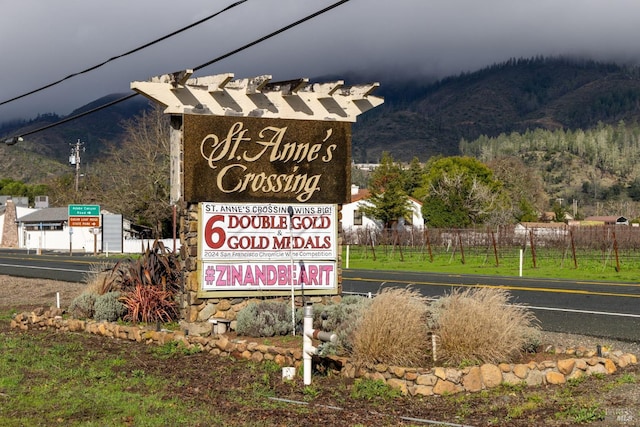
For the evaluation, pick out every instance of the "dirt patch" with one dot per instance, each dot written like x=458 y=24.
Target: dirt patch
x=329 y=400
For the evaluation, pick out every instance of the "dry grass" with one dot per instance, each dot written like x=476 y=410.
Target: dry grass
x=393 y=330
x=101 y=278
x=479 y=325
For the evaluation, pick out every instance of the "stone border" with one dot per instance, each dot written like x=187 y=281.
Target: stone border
x=410 y=381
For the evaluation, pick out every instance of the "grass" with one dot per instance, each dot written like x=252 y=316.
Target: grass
x=45 y=381
x=549 y=262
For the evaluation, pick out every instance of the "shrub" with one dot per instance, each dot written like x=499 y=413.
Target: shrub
x=479 y=324
x=149 y=285
x=393 y=330
x=266 y=319
x=102 y=277
x=82 y=306
x=149 y=304
x=108 y=307
x=340 y=319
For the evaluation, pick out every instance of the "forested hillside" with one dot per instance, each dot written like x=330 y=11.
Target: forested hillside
x=591 y=166
x=514 y=96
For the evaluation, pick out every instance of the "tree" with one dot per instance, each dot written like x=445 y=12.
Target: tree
x=412 y=176
x=522 y=187
x=458 y=192
x=389 y=202
x=136 y=175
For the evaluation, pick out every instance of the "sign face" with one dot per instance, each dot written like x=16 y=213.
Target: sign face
x=268 y=247
x=250 y=159
x=84 y=210
x=84 y=216
x=84 y=221
x=247 y=276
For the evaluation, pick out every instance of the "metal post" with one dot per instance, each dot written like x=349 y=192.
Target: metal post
x=293 y=296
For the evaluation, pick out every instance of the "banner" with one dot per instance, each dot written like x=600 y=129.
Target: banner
x=258 y=232
x=268 y=247
x=276 y=276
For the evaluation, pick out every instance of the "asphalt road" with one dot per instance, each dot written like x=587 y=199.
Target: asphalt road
x=601 y=309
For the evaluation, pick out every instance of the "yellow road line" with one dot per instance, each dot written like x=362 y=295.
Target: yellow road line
x=513 y=288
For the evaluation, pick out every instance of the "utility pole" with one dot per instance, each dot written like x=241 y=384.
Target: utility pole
x=74 y=158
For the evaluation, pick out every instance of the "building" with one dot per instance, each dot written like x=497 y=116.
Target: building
x=606 y=220
x=354 y=221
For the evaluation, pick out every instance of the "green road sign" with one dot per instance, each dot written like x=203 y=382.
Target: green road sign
x=84 y=210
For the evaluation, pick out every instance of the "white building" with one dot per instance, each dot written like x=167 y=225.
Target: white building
x=48 y=229
x=354 y=221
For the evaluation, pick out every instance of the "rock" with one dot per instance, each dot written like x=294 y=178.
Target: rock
x=472 y=381
x=555 y=378
x=423 y=390
x=381 y=367
x=224 y=305
x=535 y=378
x=398 y=384
x=446 y=387
x=397 y=371
x=609 y=366
x=491 y=375
x=521 y=371
x=426 y=379
x=440 y=373
x=565 y=366
x=208 y=311
x=511 y=378
x=453 y=375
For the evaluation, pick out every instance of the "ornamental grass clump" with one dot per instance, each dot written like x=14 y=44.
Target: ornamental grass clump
x=150 y=284
x=393 y=330
x=480 y=325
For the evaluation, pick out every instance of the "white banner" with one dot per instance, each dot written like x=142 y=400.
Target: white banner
x=268 y=232
x=273 y=276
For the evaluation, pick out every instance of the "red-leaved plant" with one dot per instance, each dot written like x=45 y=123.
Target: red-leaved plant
x=149 y=285
x=149 y=304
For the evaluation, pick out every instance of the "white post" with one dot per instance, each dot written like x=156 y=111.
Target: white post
x=347 y=261
x=307 y=347
x=57 y=299
x=520 y=262
x=293 y=296
x=308 y=334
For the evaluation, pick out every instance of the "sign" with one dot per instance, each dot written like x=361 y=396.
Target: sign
x=84 y=216
x=254 y=232
x=268 y=247
x=84 y=210
x=250 y=159
x=86 y=221
x=247 y=276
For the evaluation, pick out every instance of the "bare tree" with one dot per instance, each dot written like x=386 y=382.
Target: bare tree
x=136 y=174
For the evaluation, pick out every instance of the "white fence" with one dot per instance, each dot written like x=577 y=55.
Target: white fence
x=137 y=246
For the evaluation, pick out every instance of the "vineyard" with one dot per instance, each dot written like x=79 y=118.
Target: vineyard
x=599 y=252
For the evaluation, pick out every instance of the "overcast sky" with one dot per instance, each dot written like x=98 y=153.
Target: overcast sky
x=45 y=40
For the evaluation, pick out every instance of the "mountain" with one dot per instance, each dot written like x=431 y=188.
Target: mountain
x=514 y=96
x=420 y=117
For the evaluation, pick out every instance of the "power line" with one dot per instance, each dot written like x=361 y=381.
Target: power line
x=206 y=64
x=125 y=54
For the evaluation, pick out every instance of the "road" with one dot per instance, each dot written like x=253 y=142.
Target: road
x=601 y=309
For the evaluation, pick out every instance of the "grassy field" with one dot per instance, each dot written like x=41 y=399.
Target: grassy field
x=548 y=263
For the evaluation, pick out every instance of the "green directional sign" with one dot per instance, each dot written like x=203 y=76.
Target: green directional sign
x=84 y=210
